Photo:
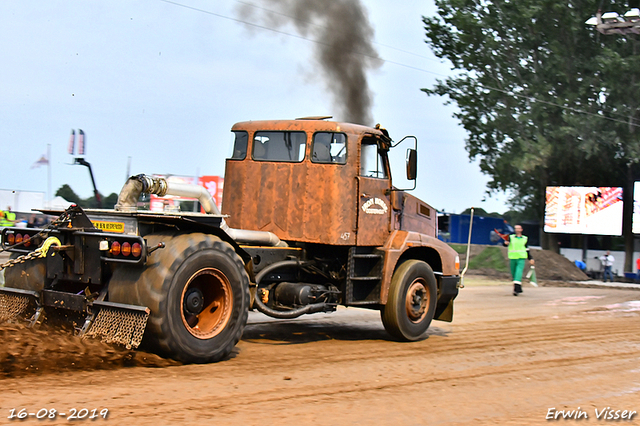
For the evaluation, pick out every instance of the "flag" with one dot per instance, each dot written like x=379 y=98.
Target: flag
x=80 y=142
x=72 y=141
x=43 y=161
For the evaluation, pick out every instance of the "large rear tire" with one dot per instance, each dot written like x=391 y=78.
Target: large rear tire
x=198 y=293
x=412 y=301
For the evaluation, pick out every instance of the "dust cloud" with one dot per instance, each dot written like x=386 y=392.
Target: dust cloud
x=26 y=351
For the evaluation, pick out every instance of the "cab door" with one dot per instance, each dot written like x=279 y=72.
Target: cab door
x=374 y=207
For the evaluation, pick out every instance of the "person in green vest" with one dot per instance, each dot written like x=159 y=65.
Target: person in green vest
x=7 y=218
x=518 y=253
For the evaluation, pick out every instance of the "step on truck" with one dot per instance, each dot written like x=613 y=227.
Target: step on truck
x=310 y=220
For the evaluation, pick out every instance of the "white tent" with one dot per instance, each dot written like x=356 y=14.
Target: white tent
x=57 y=203
x=21 y=201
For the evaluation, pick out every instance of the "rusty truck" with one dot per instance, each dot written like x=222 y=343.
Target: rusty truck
x=310 y=220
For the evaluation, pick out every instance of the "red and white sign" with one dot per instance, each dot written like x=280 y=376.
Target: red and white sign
x=214 y=185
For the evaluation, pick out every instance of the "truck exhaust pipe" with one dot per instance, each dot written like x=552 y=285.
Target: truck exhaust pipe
x=136 y=185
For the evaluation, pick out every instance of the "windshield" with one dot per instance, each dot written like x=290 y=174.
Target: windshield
x=279 y=146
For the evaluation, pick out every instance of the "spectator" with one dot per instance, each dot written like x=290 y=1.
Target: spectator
x=7 y=218
x=32 y=221
x=607 y=262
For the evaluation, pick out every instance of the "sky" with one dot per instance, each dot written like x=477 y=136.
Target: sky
x=156 y=86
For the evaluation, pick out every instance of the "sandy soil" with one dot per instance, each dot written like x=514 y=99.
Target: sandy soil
x=504 y=360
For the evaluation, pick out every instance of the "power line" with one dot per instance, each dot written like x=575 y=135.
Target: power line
x=293 y=18
x=576 y=110
x=264 y=27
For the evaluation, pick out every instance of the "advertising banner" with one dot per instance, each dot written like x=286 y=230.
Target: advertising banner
x=583 y=210
x=214 y=185
x=636 y=208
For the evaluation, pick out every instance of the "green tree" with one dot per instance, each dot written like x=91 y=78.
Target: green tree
x=515 y=217
x=479 y=211
x=67 y=193
x=529 y=89
x=91 y=203
x=110 y=201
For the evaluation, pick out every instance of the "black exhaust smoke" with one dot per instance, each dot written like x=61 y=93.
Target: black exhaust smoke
x=343 y=49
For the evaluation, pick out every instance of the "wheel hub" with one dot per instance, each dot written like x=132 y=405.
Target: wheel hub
x=207 y=301
x=194 y=301
x=417 y=300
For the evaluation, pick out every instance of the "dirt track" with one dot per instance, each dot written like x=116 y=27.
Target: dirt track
x=504 y=360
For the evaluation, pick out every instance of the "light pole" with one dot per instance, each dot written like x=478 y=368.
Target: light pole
x=612 y=23
x=629 y=23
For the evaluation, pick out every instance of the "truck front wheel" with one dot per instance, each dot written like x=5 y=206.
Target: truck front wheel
x=198 y=293
x=412 y=301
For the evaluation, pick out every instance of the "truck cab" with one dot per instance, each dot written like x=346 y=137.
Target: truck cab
x=318 y=184
x=318 y=181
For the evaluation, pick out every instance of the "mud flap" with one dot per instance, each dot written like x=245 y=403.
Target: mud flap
x=448 y=292
x=447 y=313
x=117 y=323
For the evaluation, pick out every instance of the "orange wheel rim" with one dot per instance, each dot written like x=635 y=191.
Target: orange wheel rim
x=206 y=303
x=417 y=300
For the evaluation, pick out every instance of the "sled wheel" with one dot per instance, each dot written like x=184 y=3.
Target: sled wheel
x=412 y=301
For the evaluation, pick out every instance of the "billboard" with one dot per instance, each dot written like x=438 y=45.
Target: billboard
x=214 y=185
x=636 y=208
x=583 y=210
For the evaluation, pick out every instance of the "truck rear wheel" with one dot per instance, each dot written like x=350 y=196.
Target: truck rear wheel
x=412 y=301
x=198 y=294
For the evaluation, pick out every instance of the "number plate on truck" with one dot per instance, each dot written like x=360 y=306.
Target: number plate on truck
x=115 y=227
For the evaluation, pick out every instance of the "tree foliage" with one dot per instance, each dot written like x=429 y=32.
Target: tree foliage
x=478 y=211
x=68 y=194
x=545 y=99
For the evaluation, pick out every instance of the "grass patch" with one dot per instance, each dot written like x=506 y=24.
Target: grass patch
x=491 y=258
x=459 y=248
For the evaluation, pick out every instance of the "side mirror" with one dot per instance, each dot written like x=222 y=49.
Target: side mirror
x=412 y=164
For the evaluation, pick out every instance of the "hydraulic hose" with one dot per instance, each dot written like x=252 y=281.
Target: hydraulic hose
x=293 y=313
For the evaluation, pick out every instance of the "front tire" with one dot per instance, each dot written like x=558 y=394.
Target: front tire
x=412 y=301
x=198 y=293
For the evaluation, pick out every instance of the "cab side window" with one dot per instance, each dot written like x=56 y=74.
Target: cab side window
x=371 y=164
x=240 y=145
x=329 y=147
